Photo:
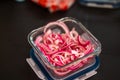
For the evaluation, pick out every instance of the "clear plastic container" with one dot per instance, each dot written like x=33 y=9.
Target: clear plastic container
x=56 y=71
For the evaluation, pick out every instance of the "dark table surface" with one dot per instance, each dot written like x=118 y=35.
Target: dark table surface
x=18 y=19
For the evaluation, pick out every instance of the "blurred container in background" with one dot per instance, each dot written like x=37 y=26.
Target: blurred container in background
x=101 y=3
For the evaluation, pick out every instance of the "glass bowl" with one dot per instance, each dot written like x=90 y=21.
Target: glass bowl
x=74 y=65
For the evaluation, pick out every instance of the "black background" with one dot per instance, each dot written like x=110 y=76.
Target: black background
x=18 y=19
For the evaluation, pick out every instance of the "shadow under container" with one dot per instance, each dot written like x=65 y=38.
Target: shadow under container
x=82 y=31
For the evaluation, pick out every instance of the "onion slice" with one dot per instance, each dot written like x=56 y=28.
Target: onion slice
x=59 y=23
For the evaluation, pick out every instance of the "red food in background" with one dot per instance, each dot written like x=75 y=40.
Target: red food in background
x=55 y=5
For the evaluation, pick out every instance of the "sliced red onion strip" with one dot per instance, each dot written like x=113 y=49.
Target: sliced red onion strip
x=73 y=34
x=61 y=73
x=83 y=42
x=38 y=39
x=61 y=24
x=77 y=65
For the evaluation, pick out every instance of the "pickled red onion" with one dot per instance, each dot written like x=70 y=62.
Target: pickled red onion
x=59 y=23
x=62 y=73
x=64 y=48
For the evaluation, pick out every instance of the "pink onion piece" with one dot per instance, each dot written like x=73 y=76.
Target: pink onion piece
x=73 y=34
x=75 y=66
x=83 y=42
x=62 y=73
x=38 y=39
x=59 y=23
